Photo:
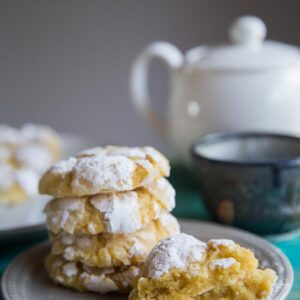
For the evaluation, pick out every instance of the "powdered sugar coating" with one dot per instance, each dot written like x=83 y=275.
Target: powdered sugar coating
x=104 y=170
x=102 y=283
x=121 y=211
x=119 y=249
x=28 y=134
x=67 y=239
x=215 y=243
x=42 y=135
x=84 y=278
x=83 y=242
x=9 y=135
x=174 y=252
x=64 y=166
x=5 y=154
x=25 y=154
x=71 y=252
x=159 y=158
x=170 y=223
x=127 y=276
x=222 y=263
x=98 y=283
x=163 y=187
x=6 y=176
x=111 y=172
x=67 y=214
x=70 y=269
x=27 y=179
x=132 y=152
x=24 y=178
x=137 y=248
x=91 y=152
x=92 y=229
x=37 y=157
x=140 y=154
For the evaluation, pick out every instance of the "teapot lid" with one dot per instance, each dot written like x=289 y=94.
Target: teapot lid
x=247 y=49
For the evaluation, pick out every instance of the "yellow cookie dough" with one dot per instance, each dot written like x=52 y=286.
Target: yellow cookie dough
x=122 y=212
x=83 y=278
x=104 y=170
x=111 y=250
x=182 y=267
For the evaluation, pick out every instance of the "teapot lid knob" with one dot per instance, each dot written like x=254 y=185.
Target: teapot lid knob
x=248 y=30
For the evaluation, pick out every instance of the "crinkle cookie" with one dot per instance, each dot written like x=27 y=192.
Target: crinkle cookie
x=82 y=278
x=122 y=212
x=112 y=250
x=104 y=170
x=17 y=185
x=30 y=145
x=182 y=267
x=25 y=154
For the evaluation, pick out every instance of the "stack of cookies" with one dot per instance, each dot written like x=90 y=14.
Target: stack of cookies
x=111 y=206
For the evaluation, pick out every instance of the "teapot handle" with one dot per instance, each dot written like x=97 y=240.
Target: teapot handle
x=139 y=90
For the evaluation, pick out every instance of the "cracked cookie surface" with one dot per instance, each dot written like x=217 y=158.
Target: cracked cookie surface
x=104 y=170
x=122 y=212
x=83 y=278
x=111 y=250
x=182 y=267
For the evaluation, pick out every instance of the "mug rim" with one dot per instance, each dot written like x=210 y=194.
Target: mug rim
x=289 y=162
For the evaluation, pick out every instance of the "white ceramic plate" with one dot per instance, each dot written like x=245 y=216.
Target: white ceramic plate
x=25 y=278
x=28 y=217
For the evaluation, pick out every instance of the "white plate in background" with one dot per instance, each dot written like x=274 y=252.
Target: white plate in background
x=28 y=217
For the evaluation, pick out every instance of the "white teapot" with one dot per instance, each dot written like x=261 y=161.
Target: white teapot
x=248 y=85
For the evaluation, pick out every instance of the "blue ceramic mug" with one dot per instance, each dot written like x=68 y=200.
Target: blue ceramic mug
x=250 y=180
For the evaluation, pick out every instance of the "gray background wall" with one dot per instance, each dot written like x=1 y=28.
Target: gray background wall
x=66 y=62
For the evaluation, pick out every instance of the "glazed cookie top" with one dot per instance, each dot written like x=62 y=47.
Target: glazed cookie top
x=121 y=212
x=104 y=170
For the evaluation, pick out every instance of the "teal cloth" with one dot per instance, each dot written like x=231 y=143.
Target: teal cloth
x=188 y=205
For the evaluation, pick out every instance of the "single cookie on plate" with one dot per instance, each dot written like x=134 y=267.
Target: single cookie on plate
x=182 y=267
x=104 y=170
x=83 y=278
x=122 y=212
x=114 y=250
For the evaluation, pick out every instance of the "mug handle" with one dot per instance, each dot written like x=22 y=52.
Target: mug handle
x=139 y=89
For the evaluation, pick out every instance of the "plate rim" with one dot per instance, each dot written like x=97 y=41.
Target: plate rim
x=235 y=231
x=4 y=233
